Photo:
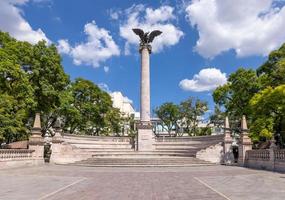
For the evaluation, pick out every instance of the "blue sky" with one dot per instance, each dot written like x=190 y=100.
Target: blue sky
x=203 y=41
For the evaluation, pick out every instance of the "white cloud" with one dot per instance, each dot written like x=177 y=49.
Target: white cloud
x=12 y=21
x=207 y=79
x=63 y=46
x=115 y=94
x=99 y=46
x=114 y=14
x=148 y=19
x=105 y=87
x=253 y=27
x=106 y=69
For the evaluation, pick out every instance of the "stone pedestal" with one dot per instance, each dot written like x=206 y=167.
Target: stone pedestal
x=245 y=143
x=36 y=141
x=228 y=150
x=272 y=148
x=145 y=138
x=57 y=140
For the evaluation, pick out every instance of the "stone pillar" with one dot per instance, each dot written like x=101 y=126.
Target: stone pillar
x=145 y=85
x=56 y=146
x=228 y=151
x=272 y=149
x=36 y=141
x=145 y=133
x=245 y=143
x=57 y=138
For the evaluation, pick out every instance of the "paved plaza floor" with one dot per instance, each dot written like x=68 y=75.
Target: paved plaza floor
x=81 y=183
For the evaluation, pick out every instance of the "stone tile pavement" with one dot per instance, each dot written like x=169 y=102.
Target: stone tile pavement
x=55 y=182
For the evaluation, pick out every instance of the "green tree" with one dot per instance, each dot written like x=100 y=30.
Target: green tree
x=272 y=72
x=88 y=109
x=48 y=79
x=236 y=94
x=16 y=93
x=218 y=117
x=113 y=121
x=268 y=108
x=169 y=115
x=191 y=110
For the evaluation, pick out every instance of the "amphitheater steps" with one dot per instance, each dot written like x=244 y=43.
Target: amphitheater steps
x=142 y=162
x=118 y=151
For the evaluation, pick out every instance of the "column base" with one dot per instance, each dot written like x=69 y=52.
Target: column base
x=145 y=138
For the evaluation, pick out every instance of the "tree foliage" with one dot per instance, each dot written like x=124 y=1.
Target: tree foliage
x=218 y=117
x=169 y=115
x=191 y=111
x=32 y=79
x=259 y=95
x=183 y=118
x=236 y=94
x=268 y=108
x=16 y=98
x=88 y=109
x=272 y=72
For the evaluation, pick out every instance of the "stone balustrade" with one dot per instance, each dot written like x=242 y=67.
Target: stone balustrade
x=260 y=154
x=208 y=138
x=67 y=137
x=279 y=155
x=268 y=159
x=15 y=154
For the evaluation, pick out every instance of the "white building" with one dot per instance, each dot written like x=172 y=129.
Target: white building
x=123 y=103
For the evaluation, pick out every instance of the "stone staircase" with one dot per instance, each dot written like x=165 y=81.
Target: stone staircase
x=98 y=145
x=142 y=162
x=119 y=151
x=186 y=146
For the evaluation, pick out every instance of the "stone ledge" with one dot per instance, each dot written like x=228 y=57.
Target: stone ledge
x=144 y=126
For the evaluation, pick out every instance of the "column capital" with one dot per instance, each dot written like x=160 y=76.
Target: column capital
x=145 y=46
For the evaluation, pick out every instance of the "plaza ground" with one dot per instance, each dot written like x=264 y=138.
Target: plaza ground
x=149 y=183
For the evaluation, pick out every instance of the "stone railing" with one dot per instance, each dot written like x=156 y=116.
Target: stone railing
x=279 y=155
x=207 y=138
x=260 y=154
x=15 y=154
x=67 y=136
x=269 y=159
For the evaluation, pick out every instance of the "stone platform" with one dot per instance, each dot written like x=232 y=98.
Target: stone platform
x=54 y=182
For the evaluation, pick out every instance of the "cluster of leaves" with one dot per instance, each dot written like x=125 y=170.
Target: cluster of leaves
x=32 y=79
x=182 y=118
x=88 y=110
x=259 y=95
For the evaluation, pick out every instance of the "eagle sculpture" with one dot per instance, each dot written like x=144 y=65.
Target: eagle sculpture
x=147 y=37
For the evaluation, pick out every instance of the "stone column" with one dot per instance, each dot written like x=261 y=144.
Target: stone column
x=145 y=85
x=56 y=146
x=36 y=141
x=272 y=149
x=228 y=151
x=145 y=133
x=57 y=138
x=245 y=143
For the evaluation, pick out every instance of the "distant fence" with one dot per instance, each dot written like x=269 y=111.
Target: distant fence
x=268 y=159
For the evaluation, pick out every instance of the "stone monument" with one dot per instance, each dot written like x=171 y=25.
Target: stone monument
x=36 y=141
x=228 y=151
x=245 y=143
x=145 y=133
